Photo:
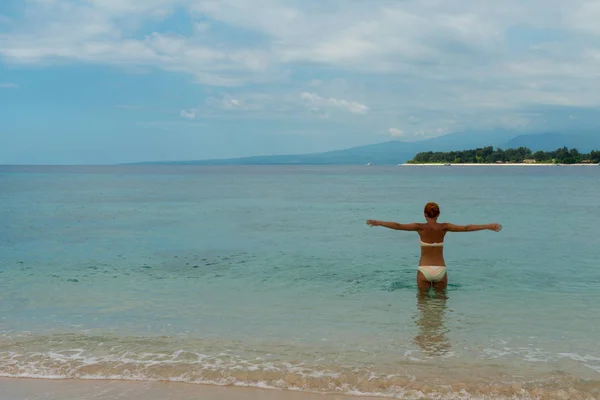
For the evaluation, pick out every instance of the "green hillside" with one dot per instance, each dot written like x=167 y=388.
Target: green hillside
x=491 y=155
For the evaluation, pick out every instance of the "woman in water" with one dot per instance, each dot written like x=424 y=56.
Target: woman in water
x=432 y=267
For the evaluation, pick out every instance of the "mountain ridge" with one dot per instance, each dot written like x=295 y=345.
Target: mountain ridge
x=394 y=152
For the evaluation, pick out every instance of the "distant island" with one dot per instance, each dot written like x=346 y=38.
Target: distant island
x=398 y=152
x=520 y=155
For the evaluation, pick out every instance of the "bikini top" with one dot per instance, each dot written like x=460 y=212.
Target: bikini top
x=425 y=244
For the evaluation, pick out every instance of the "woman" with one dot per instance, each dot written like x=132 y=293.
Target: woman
x=432 y=267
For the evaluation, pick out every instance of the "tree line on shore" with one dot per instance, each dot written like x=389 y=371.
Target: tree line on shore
x=491 y=155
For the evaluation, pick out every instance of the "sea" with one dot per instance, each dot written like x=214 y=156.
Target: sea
x=268 y=276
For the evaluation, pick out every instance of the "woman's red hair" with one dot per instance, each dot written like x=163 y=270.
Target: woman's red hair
x=432 y=210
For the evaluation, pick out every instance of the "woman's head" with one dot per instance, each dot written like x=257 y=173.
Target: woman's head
x=432 y=210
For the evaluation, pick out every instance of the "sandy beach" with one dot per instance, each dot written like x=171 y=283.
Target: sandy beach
x=69 y=389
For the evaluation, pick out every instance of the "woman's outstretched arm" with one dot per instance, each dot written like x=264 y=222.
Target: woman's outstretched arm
x=471 y=228
x=394 y=225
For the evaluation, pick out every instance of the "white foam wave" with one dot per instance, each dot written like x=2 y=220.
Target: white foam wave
x=577 y=357
x=185 y=366
x=230 y=369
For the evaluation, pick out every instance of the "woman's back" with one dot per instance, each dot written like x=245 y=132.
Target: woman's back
x=432 y=232
x=431 y=237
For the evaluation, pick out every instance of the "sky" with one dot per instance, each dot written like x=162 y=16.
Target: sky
x=114 y=81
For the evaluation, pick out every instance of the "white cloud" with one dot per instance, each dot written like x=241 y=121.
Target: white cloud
x=229 y=102
x=230 y=106
x=169 y=124
x=188 y=114
x=585 y=16
x=456 y=60
x=8 y=85
x=417 y=134
x=429 y=133
x=396 y=132
x=317 y=112
x=106 y=32
x=202 y=27
x=456 y=49
x=317 y=102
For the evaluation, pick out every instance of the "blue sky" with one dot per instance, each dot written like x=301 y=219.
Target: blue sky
x=109 y=81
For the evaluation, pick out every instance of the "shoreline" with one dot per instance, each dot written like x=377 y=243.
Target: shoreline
x=498 y=165
x=28 y=388
x=59 y=389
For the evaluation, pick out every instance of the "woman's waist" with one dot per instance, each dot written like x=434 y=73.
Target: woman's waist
x=432 y=267
x=432 y=261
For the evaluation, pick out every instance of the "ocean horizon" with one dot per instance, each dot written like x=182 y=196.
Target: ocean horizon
x=268 y=276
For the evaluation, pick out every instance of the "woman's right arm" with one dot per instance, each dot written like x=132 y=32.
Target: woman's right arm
x=394 y=225
x=472 y=228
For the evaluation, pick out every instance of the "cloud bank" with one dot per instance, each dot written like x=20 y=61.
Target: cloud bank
x=422 y=66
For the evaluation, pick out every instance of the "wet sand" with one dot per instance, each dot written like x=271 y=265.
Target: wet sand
x=69 y=389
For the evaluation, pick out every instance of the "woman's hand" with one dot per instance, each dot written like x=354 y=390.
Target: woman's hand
x=495 y=227
x=372 y=222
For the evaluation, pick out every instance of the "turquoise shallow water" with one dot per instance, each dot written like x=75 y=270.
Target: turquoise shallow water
x=268 y=276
